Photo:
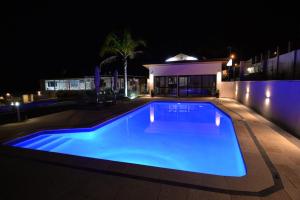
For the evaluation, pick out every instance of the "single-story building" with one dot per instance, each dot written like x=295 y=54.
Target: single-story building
x=184 y=75
x=136 y=84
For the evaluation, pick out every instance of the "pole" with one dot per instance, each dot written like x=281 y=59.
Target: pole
x=277 y=63
x=18 y=113
x=289 y=46
x=295 y=64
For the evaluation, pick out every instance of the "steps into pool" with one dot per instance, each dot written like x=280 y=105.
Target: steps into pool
x=43 y=142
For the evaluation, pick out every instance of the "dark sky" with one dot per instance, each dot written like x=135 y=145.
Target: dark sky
x=48 y=39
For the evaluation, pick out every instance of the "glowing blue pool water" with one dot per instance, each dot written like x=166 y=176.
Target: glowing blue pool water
x=195 y=137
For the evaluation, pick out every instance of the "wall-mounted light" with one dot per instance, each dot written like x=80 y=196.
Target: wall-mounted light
x=219 y=77
x=151 y=77
x=8 y=94
x=247 y=92
x=268 y=95
x=39 y=93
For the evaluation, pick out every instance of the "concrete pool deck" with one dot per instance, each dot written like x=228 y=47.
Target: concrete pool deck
x=34 y=179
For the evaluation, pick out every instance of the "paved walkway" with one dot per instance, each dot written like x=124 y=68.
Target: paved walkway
x=27 y=179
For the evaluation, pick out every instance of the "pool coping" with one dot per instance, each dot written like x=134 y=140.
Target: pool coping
x=259 y=181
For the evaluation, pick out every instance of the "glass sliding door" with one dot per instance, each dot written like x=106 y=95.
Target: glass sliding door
x=182 y=86
x=172 y=86
x=165 y=85
x=208 y=85
x=193 y=85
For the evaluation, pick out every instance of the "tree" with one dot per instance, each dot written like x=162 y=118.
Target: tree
x=123 y=47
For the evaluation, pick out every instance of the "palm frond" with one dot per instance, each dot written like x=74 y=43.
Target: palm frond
x=111 y=45
x=141 y=43
x=108 y=60
x=124 y=46
x=134 y=54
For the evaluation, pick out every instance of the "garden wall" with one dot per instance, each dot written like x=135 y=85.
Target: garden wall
x=278 y=101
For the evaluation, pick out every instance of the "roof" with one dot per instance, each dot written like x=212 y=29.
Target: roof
x=215 y=60
x=181 y=57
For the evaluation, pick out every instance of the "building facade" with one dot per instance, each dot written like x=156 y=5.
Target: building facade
x=136 y=84
x=185 y=77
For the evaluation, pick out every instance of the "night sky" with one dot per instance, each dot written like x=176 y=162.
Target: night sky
x=63 y=38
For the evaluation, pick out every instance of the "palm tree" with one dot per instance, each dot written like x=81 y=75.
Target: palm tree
x=123 y=47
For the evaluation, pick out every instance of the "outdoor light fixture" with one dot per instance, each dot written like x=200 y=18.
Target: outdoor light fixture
x=247 y=93
x=1 y=97
x=17 y=105
x=229 y=63
x=39 y=93
x=151 y=78
x=219 y=77
x=232 y=56
x=132 y=96
x=268 y=95
x=8 y=94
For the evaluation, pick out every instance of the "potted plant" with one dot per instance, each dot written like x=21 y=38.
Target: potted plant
x=152 y=93
x=217 y=93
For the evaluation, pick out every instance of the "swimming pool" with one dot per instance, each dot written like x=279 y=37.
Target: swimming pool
x=190 y=136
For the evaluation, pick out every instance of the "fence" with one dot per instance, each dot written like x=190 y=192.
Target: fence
x=280 y=67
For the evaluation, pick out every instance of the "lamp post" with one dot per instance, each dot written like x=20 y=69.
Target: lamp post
x=17 y=105
x=234 y=71
x=232 y=66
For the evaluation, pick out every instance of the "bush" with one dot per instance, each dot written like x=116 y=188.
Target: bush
x=73 y=95
x=217 y=93
x=152 y=93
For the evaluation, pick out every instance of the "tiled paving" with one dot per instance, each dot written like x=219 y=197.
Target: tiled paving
x=28 y=179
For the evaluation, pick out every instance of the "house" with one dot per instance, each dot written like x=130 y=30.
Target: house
x=185 y=75
x=136 y=84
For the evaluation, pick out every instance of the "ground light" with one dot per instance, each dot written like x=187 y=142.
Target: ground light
x=17 y=105
x=132 y=96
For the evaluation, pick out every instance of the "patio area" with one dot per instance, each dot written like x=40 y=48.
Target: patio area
x=272 y=156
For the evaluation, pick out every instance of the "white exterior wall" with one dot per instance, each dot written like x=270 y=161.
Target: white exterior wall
x=175 y=69
x=227 y=89
x=275 y=100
